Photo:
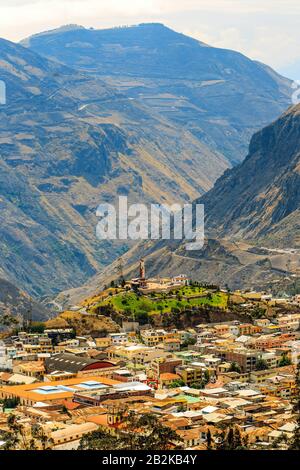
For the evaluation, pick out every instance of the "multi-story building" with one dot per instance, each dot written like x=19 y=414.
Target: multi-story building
x=246 y=359
x=118 y=338
x=271 y=341
x=171 y=344
x=153 y=337
x=248 y=329
x=135 y=353
x=34 y=369
x=192 y=374
x=163 y=365
x=103 y=343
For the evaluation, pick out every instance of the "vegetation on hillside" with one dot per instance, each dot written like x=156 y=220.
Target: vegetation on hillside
x=151 y=435
x=139 y=306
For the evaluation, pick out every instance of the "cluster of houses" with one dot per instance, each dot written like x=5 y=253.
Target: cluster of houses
x=194 y=380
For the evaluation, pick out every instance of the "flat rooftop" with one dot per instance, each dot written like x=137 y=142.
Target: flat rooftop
x=48 y=391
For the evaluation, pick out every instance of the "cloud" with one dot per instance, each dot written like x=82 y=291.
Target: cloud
x=265 y=44
x=266 y=30
x=171 y=6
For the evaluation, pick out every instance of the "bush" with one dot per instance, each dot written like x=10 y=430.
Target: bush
x=10 y=403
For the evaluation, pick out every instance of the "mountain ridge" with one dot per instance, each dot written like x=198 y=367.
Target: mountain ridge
x=70 y=140
x=252 y=223
x=220 y=95
x=62 y=153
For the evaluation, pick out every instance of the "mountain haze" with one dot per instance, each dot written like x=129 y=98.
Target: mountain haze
x=67 y=143
x=219 y=95
x=91 y=115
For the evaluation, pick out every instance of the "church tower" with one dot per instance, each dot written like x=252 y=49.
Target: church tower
x=142 y=270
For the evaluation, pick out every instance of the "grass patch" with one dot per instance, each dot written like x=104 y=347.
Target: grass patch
x=183 y=298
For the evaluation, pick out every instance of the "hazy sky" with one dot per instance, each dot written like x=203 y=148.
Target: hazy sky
x=265 y=30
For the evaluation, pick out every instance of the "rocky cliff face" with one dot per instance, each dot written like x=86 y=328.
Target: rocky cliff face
x=142 y=111
x=260 y=199
x=252 y=222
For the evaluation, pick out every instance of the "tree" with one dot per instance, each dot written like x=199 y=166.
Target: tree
x=284 y=361
x=295 y=444
x=234 y=367
x=232 y=439
x=206 y=376
x=10 y=403
x=139 y=432
x=198 y=385
x=177 y=383
x=208 y=440
x=37 y=327
x=17 y=436
x=181 y=408
x=8 y=320
x=20 y=437
x=261 y=365
x=41 y=438
x=102 y=439
x=189 y=342
x=280 y=442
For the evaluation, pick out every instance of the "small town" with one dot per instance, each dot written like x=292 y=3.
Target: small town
x=200 y=366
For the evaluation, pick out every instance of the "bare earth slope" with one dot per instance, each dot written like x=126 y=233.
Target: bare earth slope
x=218 y=95
x=252 y=221
x=68 y=143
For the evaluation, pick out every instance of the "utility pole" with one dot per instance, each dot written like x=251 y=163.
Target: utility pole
x=121 y=268
x=27 y=318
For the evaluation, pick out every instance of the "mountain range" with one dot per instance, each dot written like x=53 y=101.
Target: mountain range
x=63 y=152
x=218 y=95
x=90 y=115
x=252 y=223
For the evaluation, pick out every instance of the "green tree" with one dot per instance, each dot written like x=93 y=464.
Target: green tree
x=41 y=439
x=19 y=437
x=140 y=432
x=181 y=408
x=102 y=439
x=189 y=342
x=8 y=320
x=37 y=327
x=284 y=361
x=261 y=365
x=234 y=367
x=232 y=439
x=177 y=383
x=10 y=403
x=206 y=376
x=198 y=385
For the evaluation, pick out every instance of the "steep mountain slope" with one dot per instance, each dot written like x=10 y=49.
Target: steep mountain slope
x=260 y=199
x=252 y=222
x=14 y=302
x=219 y=95
x=141 y=111
x=67 y=143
